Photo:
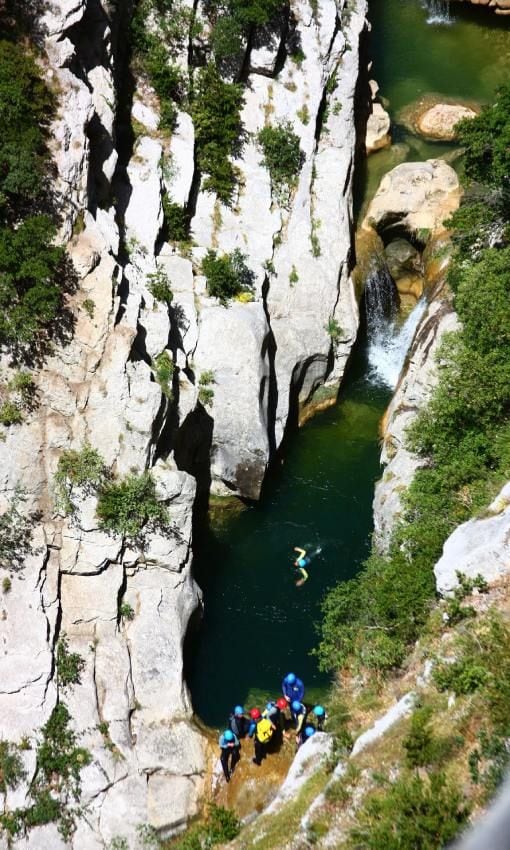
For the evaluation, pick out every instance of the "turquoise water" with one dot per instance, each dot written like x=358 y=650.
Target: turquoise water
x=257 y=624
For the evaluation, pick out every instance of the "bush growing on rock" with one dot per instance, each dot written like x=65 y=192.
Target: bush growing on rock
x=487 y=141
x=176 y=220
x=84 y=468
x=30 y=293
x=227 y=275
x=159 y=286
x=130 y=506
x=15 y=534
x=216 y=113
x=283 y=156
x=413 y=813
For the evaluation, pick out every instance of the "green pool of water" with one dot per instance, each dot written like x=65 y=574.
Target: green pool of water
x=467 y=59
x=257 y=624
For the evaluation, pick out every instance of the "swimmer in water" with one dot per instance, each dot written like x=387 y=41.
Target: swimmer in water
x=301 y=563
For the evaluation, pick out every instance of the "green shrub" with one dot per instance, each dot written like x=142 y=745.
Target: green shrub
x=371 y=620
x=89 y=306
x=216 y=111
x=26 y=106
x=15 y=534
x=126 y=611
x=30 y=294
x=10 y=414
x=159 y=286
x=164 y=370
x=84 y=468
x=6 y=584
x=410 y=814
x=129 y=506
x=254 y=12
x=488 y=763
x=283 y=156
x=59 y=760
x=69 y=665
x=12 y=771
x=486 y=139
x=176 y=220
x=334 y=330
x=227 y=275
x=223 y=825
x=227 y=38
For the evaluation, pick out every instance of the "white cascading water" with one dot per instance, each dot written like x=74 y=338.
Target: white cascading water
x=438 y=12
x=388 y=341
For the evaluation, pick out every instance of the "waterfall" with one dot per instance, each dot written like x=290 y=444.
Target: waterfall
x=388 y=341
x=438 y=12
x=381 y=300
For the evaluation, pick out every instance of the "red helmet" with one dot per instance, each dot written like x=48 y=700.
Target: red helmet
x=281 y=703
x=255 y=713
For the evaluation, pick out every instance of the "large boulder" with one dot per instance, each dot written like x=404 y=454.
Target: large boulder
x=415 y=197
x=439 y=121
x=478 y=547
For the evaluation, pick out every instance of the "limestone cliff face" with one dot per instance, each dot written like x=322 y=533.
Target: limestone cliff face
x=413 y=392
x=269 y=356
x=100 y=387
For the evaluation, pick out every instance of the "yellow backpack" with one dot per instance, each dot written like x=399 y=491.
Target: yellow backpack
x=264 y=730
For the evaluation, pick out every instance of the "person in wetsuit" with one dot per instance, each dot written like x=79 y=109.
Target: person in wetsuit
x=229 y=752
x=301 y=563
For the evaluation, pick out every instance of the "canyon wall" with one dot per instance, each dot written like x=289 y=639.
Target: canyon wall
x=124 y=606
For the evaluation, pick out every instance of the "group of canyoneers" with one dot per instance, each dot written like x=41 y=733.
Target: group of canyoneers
x=270 y=726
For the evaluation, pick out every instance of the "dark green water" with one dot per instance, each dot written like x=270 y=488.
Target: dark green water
x=257 y=624
x=467 y=59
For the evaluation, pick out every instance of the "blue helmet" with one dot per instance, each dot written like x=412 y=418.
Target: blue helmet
x=290 y=678
x=309 y=731
x=319 y=711
x=269 y=705
x=228 y=735
x=238 y=709
x=296 y=705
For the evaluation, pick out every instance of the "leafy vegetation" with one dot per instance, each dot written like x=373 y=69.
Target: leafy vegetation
x=221 y=826
x=463 y=437
x=227 y=275
x=12 y=771
x=126 y=611
x=159 y=286
x=32 y=274
x=413 y=813
x=84 y=468
x=163 y=371
x=176 y=220
x=215 y=110
x=57 y=782
x=130 y=506
x=205 y=391
x=15 y=534
x=334 y=330
x=487 y=142
x=69 y=664
x=283 y=156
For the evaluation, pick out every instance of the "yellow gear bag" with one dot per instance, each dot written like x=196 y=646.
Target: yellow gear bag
x=264 y=730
